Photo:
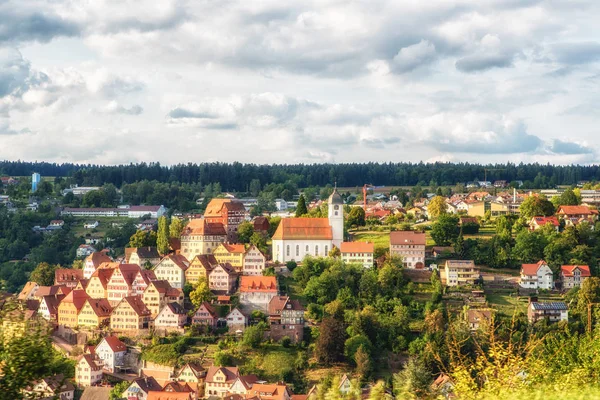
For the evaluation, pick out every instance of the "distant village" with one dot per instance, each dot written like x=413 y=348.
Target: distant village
x=117 y=299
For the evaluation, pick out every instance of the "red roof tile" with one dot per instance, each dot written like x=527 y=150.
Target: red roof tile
x=567 y=270
x=357 y=247
x=303 y=228
x=531 y=269
x=258 y=284
x=407 y=237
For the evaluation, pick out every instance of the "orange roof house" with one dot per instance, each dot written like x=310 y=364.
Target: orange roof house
x=67 y=276
x=573 y=275
x=257 y=291
x=357 y=247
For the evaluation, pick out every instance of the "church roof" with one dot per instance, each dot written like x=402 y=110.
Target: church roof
x=335 y=198
x=303 y=228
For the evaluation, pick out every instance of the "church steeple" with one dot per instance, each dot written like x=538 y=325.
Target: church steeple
x=336 y=217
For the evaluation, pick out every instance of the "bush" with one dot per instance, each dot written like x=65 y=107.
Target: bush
x=291 y=265
x=223 y=358
x=286 y=341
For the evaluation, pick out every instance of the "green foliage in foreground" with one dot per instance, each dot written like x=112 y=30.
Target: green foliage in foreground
x=551 y=393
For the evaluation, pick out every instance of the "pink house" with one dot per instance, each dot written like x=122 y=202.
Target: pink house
x=205 y=315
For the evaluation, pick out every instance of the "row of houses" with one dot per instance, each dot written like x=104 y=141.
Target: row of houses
x=540 y=276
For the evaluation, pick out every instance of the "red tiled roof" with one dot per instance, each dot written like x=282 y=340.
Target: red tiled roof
x=531 y=269
x=67 y=275
x=231 y=373
x=575 y=210
x=407 y=237
x=103 y=275
x=214 y=207
x=114 y=343
x=303 y=228
x=567 y=270
x=77 y=297
x=137 y=304
x=101 y=307
x=235 y=248
x=98 y=258
x=278 y=303
x=258 y=284
x=201 y=227
x=357 y=247
x=541 y=221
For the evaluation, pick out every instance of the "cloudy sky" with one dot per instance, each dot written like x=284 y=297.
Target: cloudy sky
x=118 y=81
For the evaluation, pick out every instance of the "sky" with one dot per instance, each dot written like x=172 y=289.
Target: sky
x=261 y=81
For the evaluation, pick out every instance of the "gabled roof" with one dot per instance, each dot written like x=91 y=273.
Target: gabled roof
x=27 y=289
x=179 y=260
x=303 y=228
x=91 y=361
x=114 y=343
x=226 y=267
x=214 y=207
x=47 y=291
x=576 y=210
x=77 y=297
x=234 y=248
x=58 y=383
x=101 y=307
x=231 y=373
x=531 y=269
x=137 y=304
x=103 y=275
x=278 y=303
x=154 y=395
x=52 y=303
x=541 y=221
x=148 y=275
x=97 y=258
x=147 y=384
x=567 y=270
x=357 y=247
x=96 y=393
x=176 y=308
x=196 y=368
x=177 y=387
x=211 y=310
x=407 y=238
x=201 y=227
x=258 y=284
x=129 y=272
x=271 y=391
x=161 y=286
x=208 y=261
x=147 y=252
x=67 y=275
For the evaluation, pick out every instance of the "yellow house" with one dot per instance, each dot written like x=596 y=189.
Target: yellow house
x=130 y=315
x=97 y=287
x=95 y=313
x=158 y=294
x=69 y=307
x=200 y=267
x=232 y=254
x=194 y=375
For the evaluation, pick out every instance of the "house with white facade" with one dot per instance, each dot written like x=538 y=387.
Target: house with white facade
x=257 y=291
x=254 y=261
x=112 y=352
x=536 y=276
x=172 y=269
x=296 y=238
x=236 y=320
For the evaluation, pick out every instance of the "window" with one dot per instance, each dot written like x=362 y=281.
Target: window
x=287 y=250
x=326 y=250
x=297 y=250
x=316 y=250
x=336 y=207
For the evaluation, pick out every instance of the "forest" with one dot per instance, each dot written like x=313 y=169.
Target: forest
x=237 y=176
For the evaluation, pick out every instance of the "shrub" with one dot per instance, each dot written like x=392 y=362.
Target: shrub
x=286 y=341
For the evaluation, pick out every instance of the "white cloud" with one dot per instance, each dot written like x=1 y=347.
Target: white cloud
x=310 y=81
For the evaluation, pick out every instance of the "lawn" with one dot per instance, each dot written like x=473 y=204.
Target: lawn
x=292 y=288
x=104 y=224
x=506 y=303
x=380 y=239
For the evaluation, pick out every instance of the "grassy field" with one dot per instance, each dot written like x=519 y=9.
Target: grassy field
x=507 y=304
x=380 y=239
x=292 y=288
x=104 y=224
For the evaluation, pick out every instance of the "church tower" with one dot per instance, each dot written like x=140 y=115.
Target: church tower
x=336 y=217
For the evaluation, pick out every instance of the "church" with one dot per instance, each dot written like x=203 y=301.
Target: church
x=296 y=238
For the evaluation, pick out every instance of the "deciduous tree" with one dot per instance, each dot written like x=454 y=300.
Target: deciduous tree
x=162 y=239
x=437 y=206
